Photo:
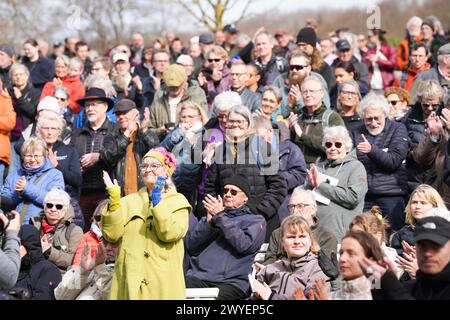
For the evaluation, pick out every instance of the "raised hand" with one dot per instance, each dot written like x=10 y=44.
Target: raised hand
x=146 y=121
x=52 y=156
x=113 y=190
x=408 y=263
x=364 y=146
x=157 y=190
x=213 y=205
x=445 y=118
x=89 y=159
x=293 y=124
x=299 y=294
x=107 y=180
x=87 y=262
x=294 y=94
x=21 y=183
x=434 y=125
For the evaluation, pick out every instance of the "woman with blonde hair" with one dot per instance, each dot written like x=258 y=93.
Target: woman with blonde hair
x=375 y=224
x=422 y=199
x=298 y=268
x=185 y=142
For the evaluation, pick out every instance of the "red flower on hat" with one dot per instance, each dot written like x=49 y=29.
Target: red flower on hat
x=169 y=158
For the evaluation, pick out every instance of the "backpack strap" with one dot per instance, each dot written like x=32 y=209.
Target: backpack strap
x=69 y=229
x=326 y=118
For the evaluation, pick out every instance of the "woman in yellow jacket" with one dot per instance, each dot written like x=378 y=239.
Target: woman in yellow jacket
x=150 y=226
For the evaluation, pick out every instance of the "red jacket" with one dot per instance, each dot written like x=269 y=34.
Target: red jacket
x=75 y=87
x=387 y=67
x=7 y=123
x=88 y=237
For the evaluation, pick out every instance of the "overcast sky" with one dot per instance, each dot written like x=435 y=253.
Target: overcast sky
x=292 y=5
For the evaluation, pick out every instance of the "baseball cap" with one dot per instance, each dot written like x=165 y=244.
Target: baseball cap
x=435 y=228
x=230 y=28
x=8 y=49
x=120 y=56
x=174 y=76
x=206 y=38
x=343 y=45
x=124 y=105
x=48 y=103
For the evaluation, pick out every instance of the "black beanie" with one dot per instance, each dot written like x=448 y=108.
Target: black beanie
x=307 y=35
x=239 y=181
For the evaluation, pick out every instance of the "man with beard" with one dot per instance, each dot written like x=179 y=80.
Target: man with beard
x=382 y=146
x=290 y=82
x=88 y=140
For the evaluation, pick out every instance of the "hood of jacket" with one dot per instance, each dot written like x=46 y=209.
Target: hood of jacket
x=30 y=239
x=298 y=262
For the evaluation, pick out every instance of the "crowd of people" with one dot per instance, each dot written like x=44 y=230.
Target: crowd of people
x=156 y=167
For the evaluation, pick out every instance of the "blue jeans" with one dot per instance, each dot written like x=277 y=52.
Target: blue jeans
x=392 y=207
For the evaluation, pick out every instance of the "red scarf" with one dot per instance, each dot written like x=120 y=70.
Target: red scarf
x=46 y=228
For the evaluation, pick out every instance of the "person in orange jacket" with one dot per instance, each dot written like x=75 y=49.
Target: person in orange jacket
x=413 y=35
x=7 y=123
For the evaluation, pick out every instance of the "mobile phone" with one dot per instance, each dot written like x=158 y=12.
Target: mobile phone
x=440 y=108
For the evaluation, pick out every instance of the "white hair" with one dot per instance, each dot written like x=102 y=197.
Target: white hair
x=245 y=112
x=226 y=100
x=412 y=20
x=303 y=193
x=58 y=195
x=373 y=100
x=337 y=133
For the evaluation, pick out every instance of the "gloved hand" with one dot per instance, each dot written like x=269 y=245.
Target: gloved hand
x=113 y=190
x=157 y=190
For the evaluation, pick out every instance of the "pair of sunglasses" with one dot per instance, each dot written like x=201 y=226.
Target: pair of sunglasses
x=50 y=206
x=233 y=192
x=297 y=67
x=328 y=145
x=214 y=60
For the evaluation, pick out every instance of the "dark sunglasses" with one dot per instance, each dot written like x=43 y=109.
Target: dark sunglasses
x=214 y=60
x=233 y=192
x=328 y=145
x=394 y=102
x=427 y=105
x=50 y=206
x=297 y=67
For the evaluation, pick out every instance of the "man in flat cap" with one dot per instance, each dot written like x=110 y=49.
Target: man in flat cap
x=124 y=147
x=165 y=107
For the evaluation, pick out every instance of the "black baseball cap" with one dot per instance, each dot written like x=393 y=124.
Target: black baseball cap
x=343 y=45
x=435 y=228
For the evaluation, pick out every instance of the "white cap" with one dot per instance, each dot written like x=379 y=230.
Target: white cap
x=120 y=56
x=49 y=103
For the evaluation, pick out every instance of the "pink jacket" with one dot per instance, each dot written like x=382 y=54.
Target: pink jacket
x=387 y=67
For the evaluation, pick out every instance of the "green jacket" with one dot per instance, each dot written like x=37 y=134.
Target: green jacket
x=149 y=264
x=159 y=110
x=311 y=139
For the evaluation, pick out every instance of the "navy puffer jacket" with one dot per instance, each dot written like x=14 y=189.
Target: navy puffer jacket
x=386 y=174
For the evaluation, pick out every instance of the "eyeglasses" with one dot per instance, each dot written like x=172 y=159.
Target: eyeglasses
x=61 y=99
x=238 y=122
x=152 y=167
x=306 y=92
x=50 y=205
x=349 y=93
x=214 y=60
x=297 y=67
x=232 y=191
x=98 y=218
x=36 y=156
x=393 y=102
x=370 y=119
x=328 y=145
x=300 y=206
x=50 y=129
x=428 y=105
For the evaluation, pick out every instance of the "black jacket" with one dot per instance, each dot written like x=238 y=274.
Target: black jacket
x=86 y=140
x=385 y=174
x=114 y=151
x=432 y=287
x=404 y=234
x=268 y=187
x=38 y=275
x=25 y=107
x=41 y=71
x=4 y=76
